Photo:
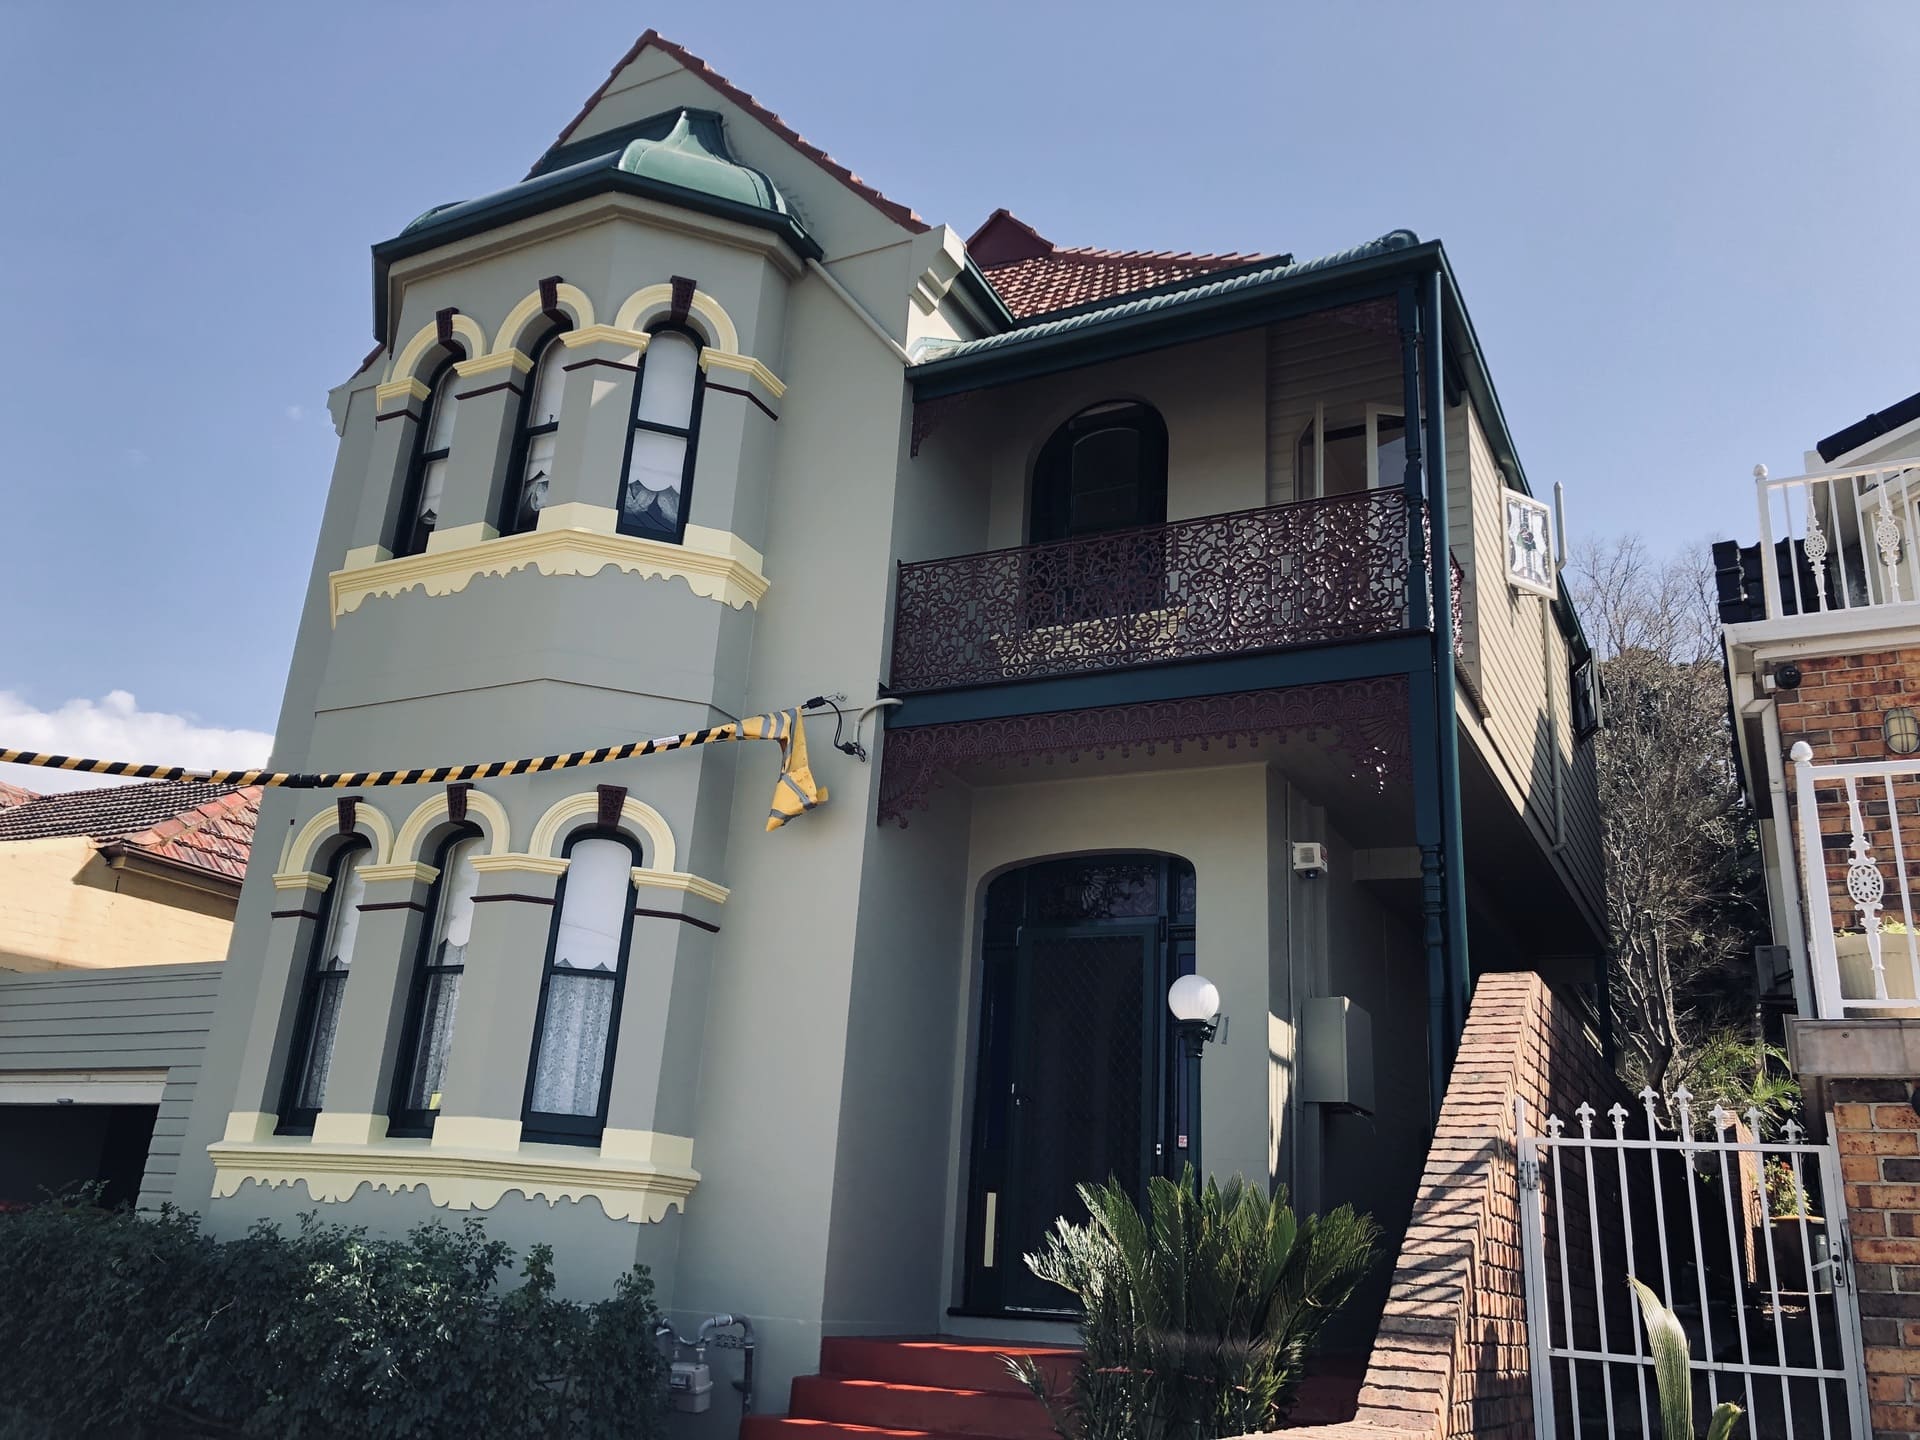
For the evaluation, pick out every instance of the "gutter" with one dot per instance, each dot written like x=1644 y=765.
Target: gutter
x=550 y=192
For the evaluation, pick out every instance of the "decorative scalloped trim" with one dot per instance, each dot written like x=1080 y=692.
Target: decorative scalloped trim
x=728 y=579
x=638 y=1191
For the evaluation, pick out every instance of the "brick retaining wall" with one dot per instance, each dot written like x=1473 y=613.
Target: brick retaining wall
x=1450 y=1358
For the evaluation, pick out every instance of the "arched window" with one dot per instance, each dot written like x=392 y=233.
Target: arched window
x=436 y=988
x=310 y=1057
x=572 y=1070
x=1105 y=469
x=666 y=420
x=427 y=475
x=537 y=440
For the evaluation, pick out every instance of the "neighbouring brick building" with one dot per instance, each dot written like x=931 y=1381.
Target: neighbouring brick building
x=1822 y=627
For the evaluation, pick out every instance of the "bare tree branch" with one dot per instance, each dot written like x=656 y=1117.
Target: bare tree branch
x=1676 y=832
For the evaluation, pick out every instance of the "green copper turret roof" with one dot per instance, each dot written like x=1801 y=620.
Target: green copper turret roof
x=694 y=157
x=679 y=157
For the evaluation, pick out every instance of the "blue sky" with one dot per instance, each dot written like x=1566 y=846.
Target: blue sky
x=1682 y=230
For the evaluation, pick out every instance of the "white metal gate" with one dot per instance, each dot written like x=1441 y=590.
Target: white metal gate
x=1743 y=1237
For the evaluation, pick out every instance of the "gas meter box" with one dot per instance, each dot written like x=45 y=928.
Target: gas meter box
x=691 y=1386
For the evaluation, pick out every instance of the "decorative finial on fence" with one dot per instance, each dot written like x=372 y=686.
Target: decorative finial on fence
x=1759 y=472
x=1801 y=753
x=1618 y=1115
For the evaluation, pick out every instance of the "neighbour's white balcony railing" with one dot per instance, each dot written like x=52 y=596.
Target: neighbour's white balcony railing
x=1839 y=539
x=1863 y=933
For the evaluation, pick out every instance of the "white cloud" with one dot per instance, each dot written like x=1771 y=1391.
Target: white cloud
x=296 y=412
x=116 y=728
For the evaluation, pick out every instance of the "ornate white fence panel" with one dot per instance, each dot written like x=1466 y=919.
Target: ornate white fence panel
x=1850 y=536
x=1868 y=956
x=1744 y=1238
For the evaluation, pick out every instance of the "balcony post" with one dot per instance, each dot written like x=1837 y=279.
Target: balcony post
x=1822 y=954
x=1460 y=975
x=1413 y=478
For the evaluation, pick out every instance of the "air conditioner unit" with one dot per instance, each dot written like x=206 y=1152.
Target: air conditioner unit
x=1309 y=858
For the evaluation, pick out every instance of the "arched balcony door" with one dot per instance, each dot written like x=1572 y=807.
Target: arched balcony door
x=1074 y=1079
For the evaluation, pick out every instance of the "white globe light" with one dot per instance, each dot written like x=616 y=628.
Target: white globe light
x=1193 y=997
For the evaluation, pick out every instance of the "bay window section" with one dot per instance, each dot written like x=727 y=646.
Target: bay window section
x=572 y=1070
x=427 y=475
x=317 y=1021
x=435 y=993
x=537 y=440
x=660 y=445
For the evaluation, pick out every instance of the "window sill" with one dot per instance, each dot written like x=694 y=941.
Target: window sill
x=726 y=570
x=629 y=1185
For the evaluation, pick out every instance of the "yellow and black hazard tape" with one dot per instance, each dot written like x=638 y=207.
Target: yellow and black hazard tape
x=783 y=727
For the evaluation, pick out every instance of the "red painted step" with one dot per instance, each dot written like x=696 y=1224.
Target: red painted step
x=944 y=1360
x=997 y=1414
x=939 y=1388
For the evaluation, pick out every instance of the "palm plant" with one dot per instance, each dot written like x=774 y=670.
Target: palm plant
x=1197 y=1319
x=1673 y=1372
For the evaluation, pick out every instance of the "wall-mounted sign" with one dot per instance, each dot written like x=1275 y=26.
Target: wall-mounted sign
x=1530 y=545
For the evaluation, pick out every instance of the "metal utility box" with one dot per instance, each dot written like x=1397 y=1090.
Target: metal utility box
x=1336 y=1054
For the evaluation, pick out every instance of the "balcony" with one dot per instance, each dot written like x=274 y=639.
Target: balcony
x=1830 y=543
x=1859 y=827
x=1310 y=573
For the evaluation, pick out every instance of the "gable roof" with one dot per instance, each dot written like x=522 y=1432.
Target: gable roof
x=1881 y=422
x=1036 y=277
x=188 y=823
x=650 y=38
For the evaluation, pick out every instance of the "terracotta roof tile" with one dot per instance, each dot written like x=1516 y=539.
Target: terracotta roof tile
x=1034 y=276
x=894 y=211
x=11 y=795
x=190 y=823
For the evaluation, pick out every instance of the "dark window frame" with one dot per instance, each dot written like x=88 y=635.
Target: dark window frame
x=296 y=1119
x=1584 y=699
x=402 y=1120
x=691 y=434
x=524 y=435
x=546 y=1126
x=406 y=530
x=1050 y=493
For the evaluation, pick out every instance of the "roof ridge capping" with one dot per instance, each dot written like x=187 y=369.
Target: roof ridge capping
x=900 y=214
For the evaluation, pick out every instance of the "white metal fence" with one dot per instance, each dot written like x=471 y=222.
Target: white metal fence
x=1840 y=539
x=1744 y=1238
x=1866 y=957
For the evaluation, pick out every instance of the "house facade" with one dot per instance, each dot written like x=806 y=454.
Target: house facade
x=1164 y=602
x=127 y=875
x=1823 y=663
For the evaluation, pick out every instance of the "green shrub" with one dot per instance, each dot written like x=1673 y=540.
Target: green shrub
x=1198 y=1321
x=118 y=1325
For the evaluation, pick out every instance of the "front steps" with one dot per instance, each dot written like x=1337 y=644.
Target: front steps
x=943 y=1387
x=948 y=1388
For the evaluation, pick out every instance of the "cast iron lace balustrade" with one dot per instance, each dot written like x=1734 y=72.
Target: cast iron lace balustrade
x=1301 y=574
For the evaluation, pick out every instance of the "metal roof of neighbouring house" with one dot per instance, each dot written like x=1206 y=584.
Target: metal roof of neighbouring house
x=1036 y=277
x=188 y=823
x=1881 y=422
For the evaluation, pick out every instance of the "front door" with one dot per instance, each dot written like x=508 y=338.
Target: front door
x=1075 y=1046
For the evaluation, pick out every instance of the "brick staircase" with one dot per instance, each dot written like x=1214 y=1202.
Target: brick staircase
x=947 y=1388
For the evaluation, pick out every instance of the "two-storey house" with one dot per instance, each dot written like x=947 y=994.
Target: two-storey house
x=1169 y=598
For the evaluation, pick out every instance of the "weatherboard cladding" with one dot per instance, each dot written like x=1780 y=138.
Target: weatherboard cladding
x=141 y=1018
